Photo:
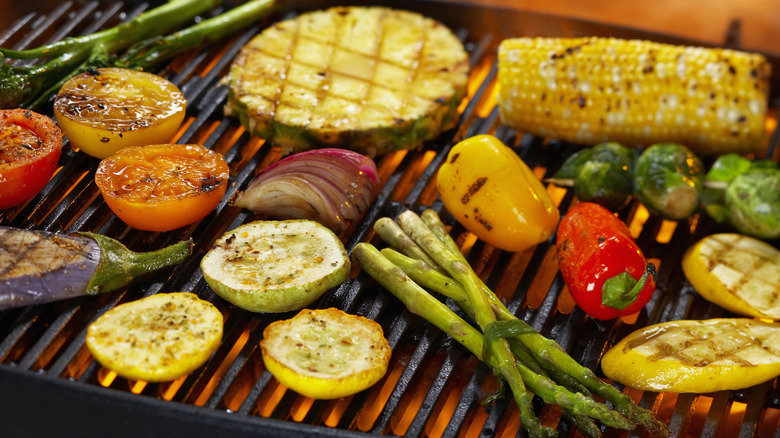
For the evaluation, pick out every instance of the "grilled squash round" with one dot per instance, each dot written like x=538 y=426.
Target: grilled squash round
x=737 y=272
x=369 y=79
x=325 y=353
x=158 y=338
x=275 y=266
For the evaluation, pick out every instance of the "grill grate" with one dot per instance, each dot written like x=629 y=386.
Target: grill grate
x=49 y=383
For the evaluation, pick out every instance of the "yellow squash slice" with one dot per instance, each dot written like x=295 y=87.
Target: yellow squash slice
x=736 y=272
x=158 y=339
x=698 y=356
x=325 y=353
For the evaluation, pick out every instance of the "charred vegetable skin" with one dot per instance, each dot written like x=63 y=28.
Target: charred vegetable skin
x=638 y=93
x=495 y=195
x=605 y=270
x=603 y=174
x=40 y=267
x=668 y=179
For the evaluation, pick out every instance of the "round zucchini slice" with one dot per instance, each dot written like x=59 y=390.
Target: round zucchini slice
x=325 y=353
x=370 y=79
x=158 y=338
x=275 y=266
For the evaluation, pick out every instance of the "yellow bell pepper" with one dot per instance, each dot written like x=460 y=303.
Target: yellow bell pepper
x=494 y=194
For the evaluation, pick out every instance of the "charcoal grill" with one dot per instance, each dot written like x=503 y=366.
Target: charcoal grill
x=51 y=386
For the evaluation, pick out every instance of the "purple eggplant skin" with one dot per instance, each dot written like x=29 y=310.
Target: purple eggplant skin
x=40 y=266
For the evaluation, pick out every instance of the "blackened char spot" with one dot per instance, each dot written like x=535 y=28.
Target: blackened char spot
x=473 y=188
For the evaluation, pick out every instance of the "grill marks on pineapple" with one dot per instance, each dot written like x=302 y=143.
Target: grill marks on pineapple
x=333 y=74
x=703 y=346
x=749 y=276
x=350 y=74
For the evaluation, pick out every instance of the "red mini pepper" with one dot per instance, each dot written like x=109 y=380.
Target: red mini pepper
x=605 y=270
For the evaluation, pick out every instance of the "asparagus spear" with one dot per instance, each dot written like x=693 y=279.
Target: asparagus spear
x=31 y=85
x=543 y=351
x=549 y=353
x=419 y=301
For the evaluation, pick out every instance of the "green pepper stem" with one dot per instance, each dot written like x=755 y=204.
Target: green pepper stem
x=119 y=265
x=621 y=290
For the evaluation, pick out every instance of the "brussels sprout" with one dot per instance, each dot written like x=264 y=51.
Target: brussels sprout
x=753 y=203
x=602 y=174
x=668 y=179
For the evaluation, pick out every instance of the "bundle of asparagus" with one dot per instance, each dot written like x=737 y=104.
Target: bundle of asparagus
x=427 y=258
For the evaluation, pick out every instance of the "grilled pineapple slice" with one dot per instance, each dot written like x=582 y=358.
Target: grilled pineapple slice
x=696 y=356
x=370 y=79
x=736 y=272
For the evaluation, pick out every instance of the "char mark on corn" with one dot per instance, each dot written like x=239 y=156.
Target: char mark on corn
x=592 y=90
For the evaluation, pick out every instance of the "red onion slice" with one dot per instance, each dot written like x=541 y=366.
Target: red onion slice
x=331 y=186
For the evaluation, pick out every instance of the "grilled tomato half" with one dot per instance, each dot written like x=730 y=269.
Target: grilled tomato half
x=30 y=148
x=162 y=187
x=325 y=353
x=103 y=110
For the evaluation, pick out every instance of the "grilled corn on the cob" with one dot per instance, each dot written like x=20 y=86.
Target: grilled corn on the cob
x=591 y=90
x=369 y=79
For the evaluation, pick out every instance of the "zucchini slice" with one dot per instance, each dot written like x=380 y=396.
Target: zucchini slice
x=370 y=79
x=326 y=353
x=158 y=338
x=275 y=266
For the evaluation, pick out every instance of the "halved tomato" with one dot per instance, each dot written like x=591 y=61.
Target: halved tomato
x=162 y=187
x=30 y=148
x=103 y=110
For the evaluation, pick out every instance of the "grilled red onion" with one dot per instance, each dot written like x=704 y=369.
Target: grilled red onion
x=331 y=186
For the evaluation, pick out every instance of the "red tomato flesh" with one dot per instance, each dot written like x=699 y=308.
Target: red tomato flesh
x=30 y=148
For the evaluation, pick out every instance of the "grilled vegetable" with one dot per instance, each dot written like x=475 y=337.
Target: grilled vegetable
x=603 y=174
x=696 y=356
x=31 y=85
x=158 y=338
x=547 y=372
x=605 y=270
x=493 y=193
x=40 y=267
x=103 y=110
x=30 y=148
x=325 y=353
x=162 y=187
x=331 y=186
x=737 y=272
x=668 y=179
x=275 y=266
x=592 y=90
x=370 y=79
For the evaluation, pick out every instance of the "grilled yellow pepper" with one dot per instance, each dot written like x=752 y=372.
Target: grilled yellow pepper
x=494 y=194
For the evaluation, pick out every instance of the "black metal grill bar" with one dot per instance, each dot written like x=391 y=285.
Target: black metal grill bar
x=52 y=337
